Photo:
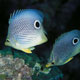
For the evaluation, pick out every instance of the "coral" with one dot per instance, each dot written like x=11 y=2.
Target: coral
x=54 y=74
x=14 y=69
x=16 y=65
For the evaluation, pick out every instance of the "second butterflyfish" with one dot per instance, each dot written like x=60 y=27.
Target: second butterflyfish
x=65 y=48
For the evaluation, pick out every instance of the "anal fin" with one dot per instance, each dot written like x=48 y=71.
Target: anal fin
x=27 y=50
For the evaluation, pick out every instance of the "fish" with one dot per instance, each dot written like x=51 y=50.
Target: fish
x=66 y=46
x=26 y=30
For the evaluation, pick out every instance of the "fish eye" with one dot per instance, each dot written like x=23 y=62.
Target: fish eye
x=75 y=41
x=37 y=24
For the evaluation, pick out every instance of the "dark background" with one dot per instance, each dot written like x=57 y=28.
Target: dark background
x=60 y=16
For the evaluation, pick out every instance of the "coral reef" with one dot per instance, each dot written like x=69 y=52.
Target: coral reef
x=14 y=69
x=15 y=65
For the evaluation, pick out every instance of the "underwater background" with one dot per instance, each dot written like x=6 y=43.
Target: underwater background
x=60 y=16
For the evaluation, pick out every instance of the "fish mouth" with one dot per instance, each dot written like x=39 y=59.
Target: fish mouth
x=48 y=65
x=7 y=43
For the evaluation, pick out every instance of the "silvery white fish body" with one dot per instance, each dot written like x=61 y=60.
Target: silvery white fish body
x=26 y=30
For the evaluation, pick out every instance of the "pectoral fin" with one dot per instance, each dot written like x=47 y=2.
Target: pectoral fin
x=27 y=50
x=68 y=60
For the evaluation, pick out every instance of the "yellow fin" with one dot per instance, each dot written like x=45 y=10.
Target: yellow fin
x=68 y=60
x=27 y=50
x=48 y=65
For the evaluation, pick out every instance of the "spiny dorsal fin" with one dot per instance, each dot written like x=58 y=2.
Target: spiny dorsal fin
x=17 y=12
x=14 y=14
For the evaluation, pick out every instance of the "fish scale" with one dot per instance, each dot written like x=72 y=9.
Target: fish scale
x=23 y=33
x=66 y=46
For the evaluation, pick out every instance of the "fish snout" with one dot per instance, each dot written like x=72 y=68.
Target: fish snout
x=7 y=42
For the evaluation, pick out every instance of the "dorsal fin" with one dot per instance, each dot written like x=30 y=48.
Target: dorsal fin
x=33 y=11
x=13 y=15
